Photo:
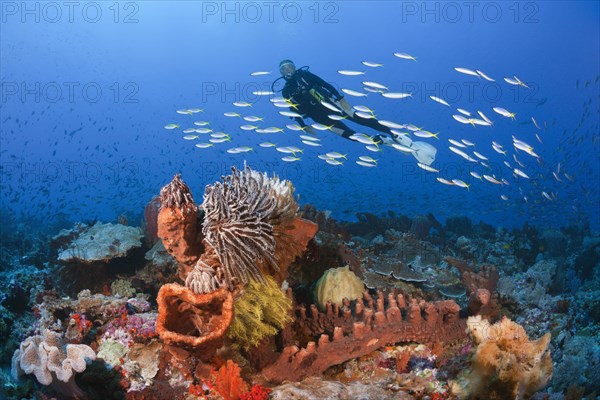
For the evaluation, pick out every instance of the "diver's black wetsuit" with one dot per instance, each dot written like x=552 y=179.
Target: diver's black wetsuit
x=304 y=88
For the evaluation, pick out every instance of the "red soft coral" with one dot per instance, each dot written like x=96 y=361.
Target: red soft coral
x=256 y=393
x=228 y=382
x=196 y=390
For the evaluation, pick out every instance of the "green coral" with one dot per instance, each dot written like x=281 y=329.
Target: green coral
x=112 y=352
x=262 y=309
x=122 y=288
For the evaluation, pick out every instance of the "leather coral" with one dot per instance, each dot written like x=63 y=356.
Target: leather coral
x=51 y=362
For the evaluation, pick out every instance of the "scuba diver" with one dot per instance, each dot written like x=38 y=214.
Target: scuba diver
x=312 y=97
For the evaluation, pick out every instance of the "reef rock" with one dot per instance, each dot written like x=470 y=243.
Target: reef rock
x=317 y=388
x=101 y=242
x=555 y=242
x=142 y=364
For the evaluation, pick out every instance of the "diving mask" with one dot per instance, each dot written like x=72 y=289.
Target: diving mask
x=287 y=69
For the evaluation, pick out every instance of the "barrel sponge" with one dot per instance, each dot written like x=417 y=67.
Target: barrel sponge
x=337 y=284
x=48 y=358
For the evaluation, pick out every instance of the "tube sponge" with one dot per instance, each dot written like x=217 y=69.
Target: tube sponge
x=262 y=309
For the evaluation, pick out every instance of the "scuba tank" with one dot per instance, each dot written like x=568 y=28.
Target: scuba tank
x=316 y=95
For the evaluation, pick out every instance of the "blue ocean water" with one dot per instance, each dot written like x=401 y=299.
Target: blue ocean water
x=87 y=88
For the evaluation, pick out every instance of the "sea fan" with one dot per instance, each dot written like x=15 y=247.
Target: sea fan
x=246 y=216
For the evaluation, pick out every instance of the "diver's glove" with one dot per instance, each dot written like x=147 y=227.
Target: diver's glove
x=423 y=152
x=310 y=129
x=383 y=139
x=346 y=107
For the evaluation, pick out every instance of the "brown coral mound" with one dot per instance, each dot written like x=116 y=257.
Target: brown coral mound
x=151 y=221
x=506 y=364
x=178 y=225
x=480 y=287
x=300 y=233
x=247 y=220
x=486 y=278
x=196 y=321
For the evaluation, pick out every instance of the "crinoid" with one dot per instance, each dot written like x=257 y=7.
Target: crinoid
x=247 y=217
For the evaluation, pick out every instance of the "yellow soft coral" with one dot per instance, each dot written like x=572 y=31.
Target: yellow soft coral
x=506 y=364
x=262 y=309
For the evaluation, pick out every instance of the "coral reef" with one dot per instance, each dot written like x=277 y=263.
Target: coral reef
x=480 y=286
x=159 y=268
x=555 y=242
x=227 y=381
x=422 y=224
x=530 y=287
x=151 y=221
x=202 y=279
x=223 y=333
x=141 y=364
x=323 y=251
x=249 y=229
x=323 y=220
x=91 y=257
x=370 y=225
x=486 y=278
x=55 y=312
x=506 y=364
x=122 y=288
x=579 y=363
x=459 y=225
